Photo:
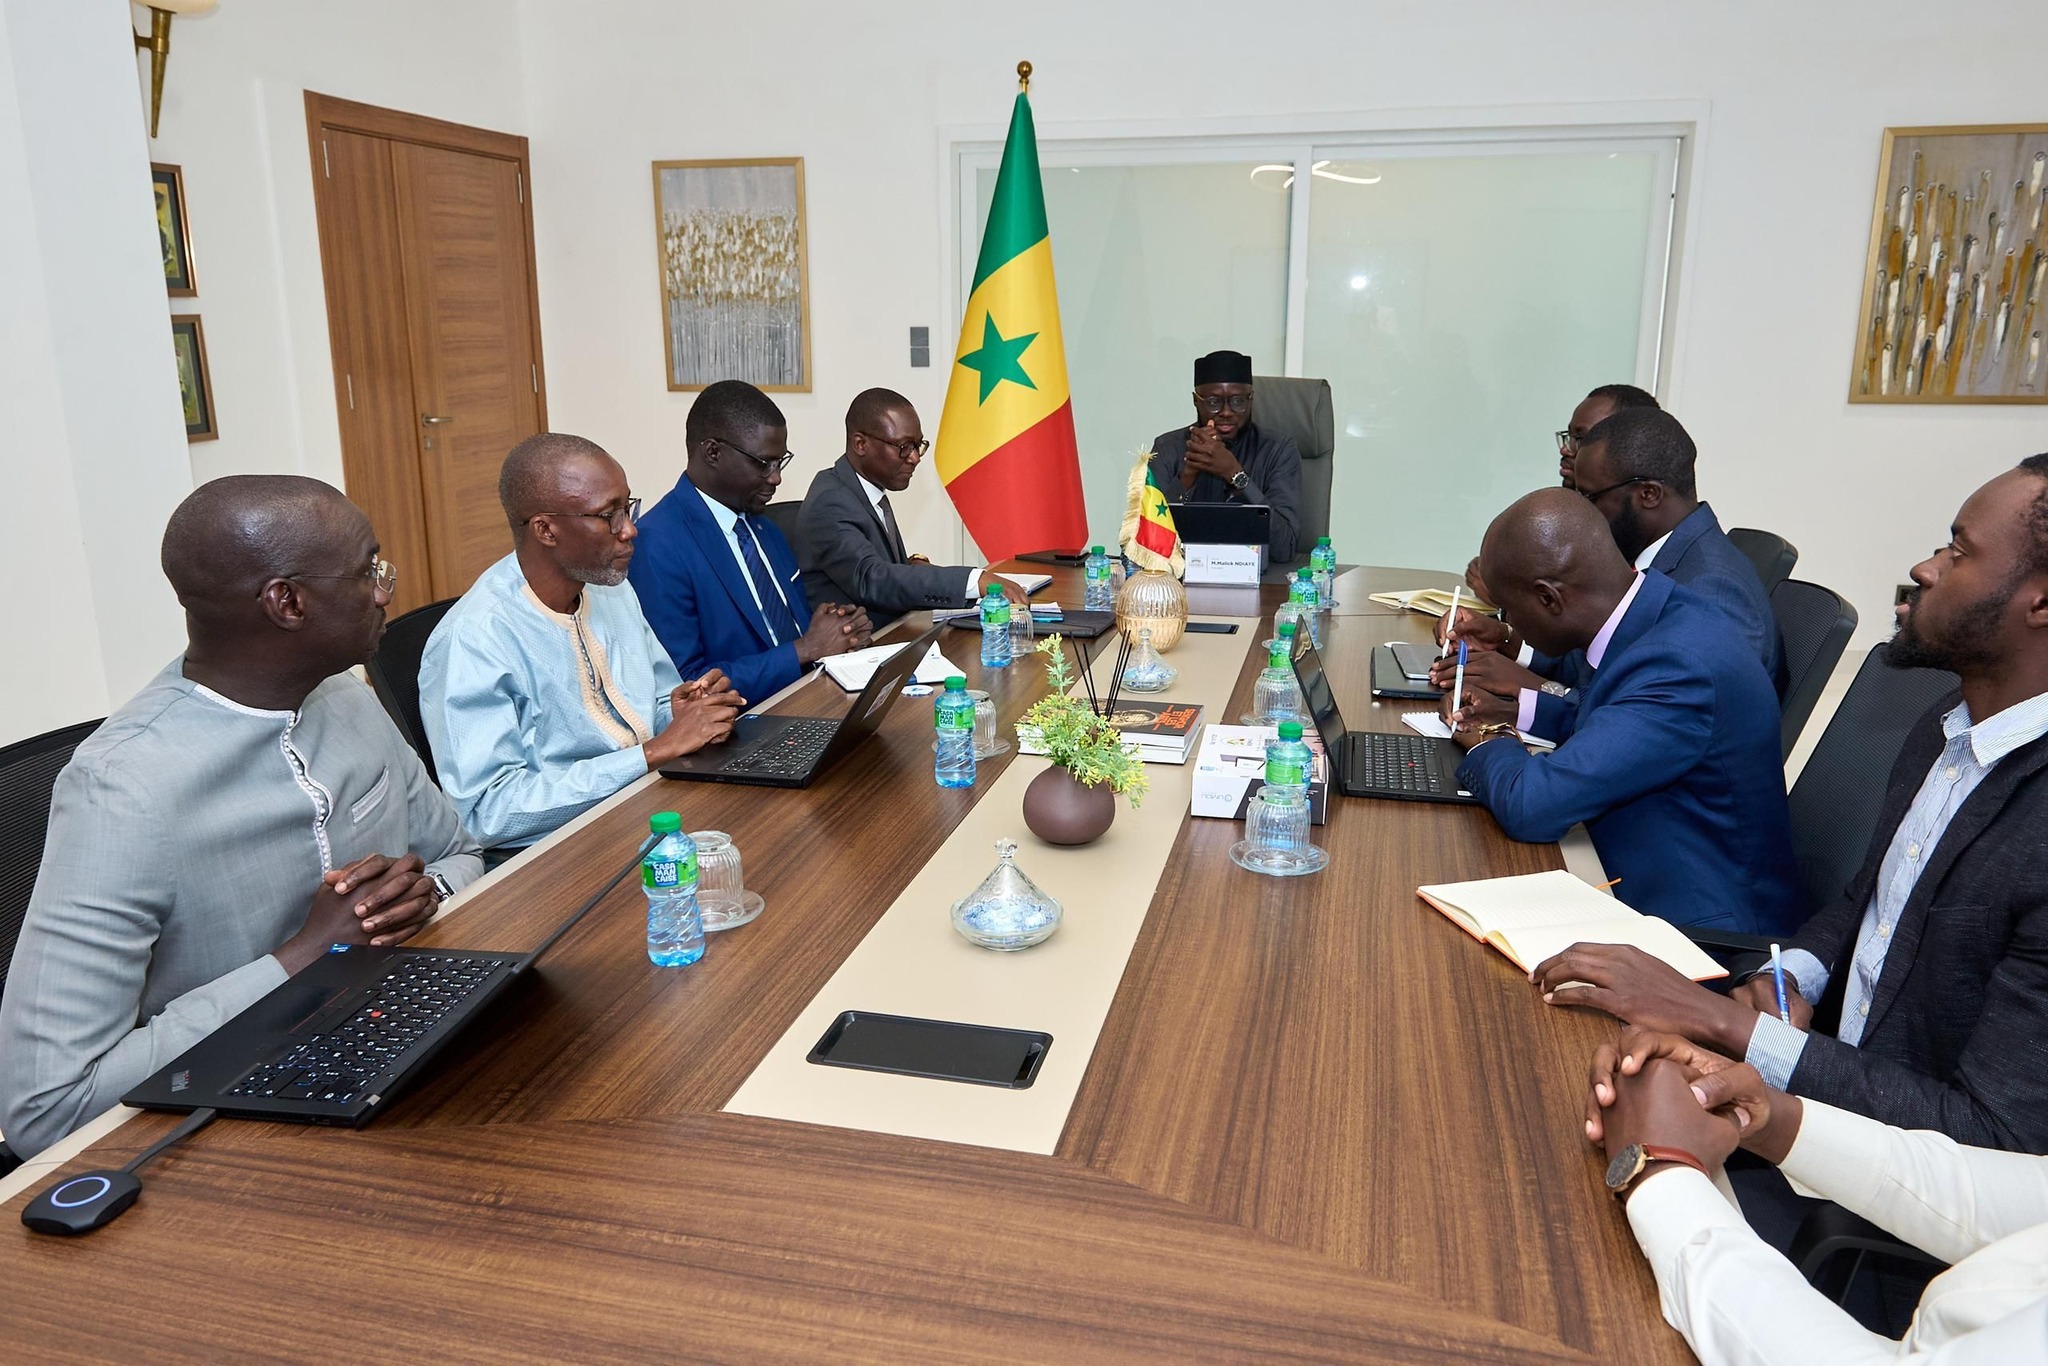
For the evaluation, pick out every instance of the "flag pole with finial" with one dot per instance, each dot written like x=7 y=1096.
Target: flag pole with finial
x=1024 y=77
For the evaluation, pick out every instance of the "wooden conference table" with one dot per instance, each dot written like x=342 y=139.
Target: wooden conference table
x=1319 y=1121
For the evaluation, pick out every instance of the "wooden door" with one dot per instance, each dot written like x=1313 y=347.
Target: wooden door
x=426 y=242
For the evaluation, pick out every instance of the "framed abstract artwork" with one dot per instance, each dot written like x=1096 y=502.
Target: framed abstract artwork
x=195 y=383
x=1955 y=285
x=735 y=285
x=169 y=182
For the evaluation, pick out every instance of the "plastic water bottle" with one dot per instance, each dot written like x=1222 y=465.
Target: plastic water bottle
x=1322 y=562
x=1100 y=595
x=953 y=718
x=1276 y=697
x=1303 y=594
x=1288 y=763
x=668 y=874
x=995 y=629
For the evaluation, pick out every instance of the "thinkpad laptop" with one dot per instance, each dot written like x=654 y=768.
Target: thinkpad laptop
x=339 y=1040
x=1412 y=768
x=791 y=751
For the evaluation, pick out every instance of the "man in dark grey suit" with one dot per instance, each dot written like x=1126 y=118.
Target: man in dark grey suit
x=1226 y=457
x=847 y=540
x=1928 y=977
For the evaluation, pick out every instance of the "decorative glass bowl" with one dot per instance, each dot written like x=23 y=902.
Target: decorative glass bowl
x=1153 y=599
x=1007 y=911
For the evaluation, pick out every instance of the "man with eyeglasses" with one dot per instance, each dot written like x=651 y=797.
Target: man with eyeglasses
x=1225 y=456
x=1636 y=466
x=251 y=806
x=847 y=538
x=544 y=689
x=718 y=581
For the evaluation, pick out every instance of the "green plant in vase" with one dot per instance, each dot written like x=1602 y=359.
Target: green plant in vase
x=1075 y=738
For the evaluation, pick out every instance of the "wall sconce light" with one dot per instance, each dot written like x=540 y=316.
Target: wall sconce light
x=158 y=45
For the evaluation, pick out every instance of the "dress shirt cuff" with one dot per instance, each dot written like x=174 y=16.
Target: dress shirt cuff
x=1525 y=711
x=976 y=581
x=1525 y=654
x=1811 y=974
x=1840 y=1155
x=1671 y=1208
x=1774 y=1049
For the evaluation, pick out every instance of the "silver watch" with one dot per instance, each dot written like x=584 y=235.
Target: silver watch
x=1239 y=480
x=442 y=889
x=1555 y=688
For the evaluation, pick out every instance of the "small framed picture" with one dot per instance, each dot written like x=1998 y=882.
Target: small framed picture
x=195 y=384
x=171 y=231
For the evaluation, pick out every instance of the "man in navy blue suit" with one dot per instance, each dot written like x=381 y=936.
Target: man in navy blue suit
x=1636 y=467
x=1674 y=764
x=717 y=581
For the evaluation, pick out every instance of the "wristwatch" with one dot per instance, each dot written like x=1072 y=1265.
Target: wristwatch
x=1555 y=688
x=1629 y=1163
x=1239 y=480
x=442 y=889
x=1494 y=730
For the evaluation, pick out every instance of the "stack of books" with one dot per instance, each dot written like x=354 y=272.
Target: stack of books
x=1161 y=732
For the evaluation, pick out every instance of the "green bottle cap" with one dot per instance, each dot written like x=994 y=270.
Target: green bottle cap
x=1290 y=730
x=1301 y=573
x=1094 y=550
x=1322 y=540
x=956 y=683
x=664 y=822
x=1287 y=628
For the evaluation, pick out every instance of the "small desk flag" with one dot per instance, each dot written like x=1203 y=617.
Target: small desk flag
x=1148 y=535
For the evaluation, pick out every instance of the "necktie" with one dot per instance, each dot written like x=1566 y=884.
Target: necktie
x=895 y=534
x=774 y=611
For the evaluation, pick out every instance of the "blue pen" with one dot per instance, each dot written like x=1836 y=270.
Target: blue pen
x=1458 y=687
x=1778 y=973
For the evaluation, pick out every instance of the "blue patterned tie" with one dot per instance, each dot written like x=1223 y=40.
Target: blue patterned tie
x=781 y=625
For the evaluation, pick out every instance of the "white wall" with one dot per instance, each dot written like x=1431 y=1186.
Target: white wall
x=95 y=454
x=1795 y=98
x=234 y=118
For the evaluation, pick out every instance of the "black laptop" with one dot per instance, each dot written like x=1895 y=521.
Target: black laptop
x=339 y=1040
x=791 y=751
x=1223 y=523
x=1412 y=768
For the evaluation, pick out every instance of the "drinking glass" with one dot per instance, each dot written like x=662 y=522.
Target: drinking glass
x=722 y=892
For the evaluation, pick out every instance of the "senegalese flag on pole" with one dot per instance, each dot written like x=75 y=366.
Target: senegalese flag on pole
x=1148 y=535
x=1006 y=449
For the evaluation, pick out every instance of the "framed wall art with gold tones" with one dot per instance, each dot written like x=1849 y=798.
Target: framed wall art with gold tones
x=195 y=381
x=169 y=181
x=1955 y=287
x=735 y=285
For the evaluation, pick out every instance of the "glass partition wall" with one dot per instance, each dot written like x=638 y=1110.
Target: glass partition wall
x=1460 y=294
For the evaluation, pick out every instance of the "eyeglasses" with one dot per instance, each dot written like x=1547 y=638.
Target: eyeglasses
x=618 y=519
x=907 y=447
x=777 y=465
x=1597 y=494
x=382 y=576
x=1567 y=444
x=1214 y=404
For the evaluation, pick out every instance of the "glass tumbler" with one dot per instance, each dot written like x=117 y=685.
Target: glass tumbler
x=988 y=741
x=722 y=893
x=1276 y=839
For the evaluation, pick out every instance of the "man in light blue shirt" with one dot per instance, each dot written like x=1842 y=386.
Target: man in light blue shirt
x=544 y=690
x=1928 y=978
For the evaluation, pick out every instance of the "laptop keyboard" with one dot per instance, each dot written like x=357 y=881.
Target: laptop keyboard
x=791 y=754
x=1402 y=763
x=412 y=996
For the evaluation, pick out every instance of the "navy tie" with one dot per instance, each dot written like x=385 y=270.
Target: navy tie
x=781 y=625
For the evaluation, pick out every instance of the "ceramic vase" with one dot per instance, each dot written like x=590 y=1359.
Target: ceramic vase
x=1062 y=810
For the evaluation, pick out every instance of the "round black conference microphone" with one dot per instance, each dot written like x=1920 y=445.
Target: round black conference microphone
x=90 y=1199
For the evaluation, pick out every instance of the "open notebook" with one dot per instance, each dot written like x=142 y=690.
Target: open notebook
x=1432 y=601
x=1534 y=916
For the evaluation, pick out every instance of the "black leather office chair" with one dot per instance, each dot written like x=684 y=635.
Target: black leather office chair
x=783 y=515
x=1816 y=624
x=1840 y=792
x=1302 y=409
x=1771 y=553
x=28 y=774
x=395 y=673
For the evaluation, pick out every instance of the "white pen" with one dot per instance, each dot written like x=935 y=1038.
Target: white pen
x=1451 y=621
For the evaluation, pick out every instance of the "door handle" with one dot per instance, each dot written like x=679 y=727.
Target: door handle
x=429 y=420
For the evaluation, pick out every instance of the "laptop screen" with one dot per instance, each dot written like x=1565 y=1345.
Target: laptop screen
x=1322 y=703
